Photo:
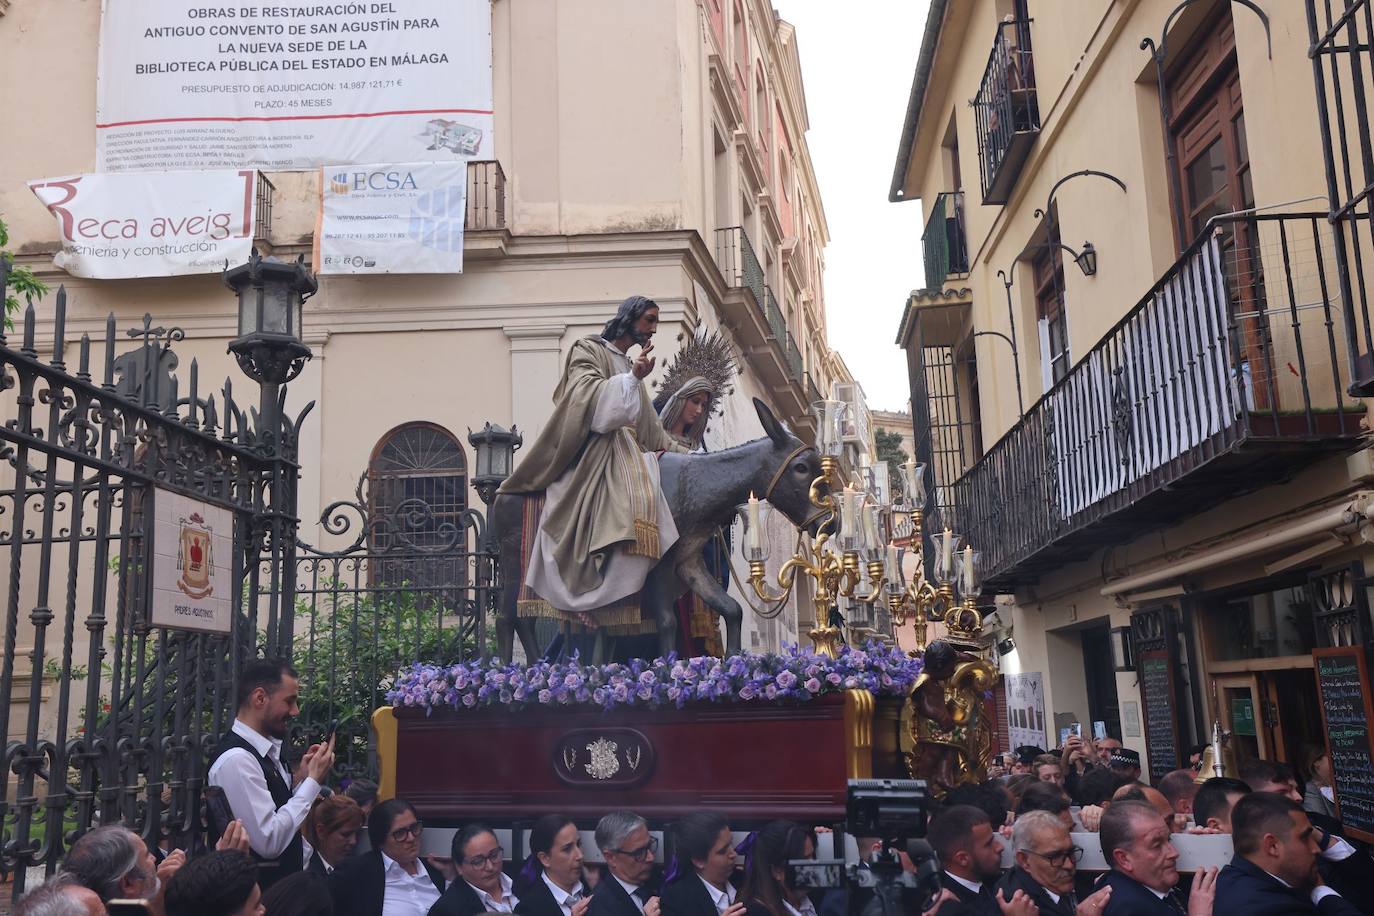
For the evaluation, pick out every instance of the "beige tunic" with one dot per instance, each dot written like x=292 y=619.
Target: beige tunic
x=605 y=522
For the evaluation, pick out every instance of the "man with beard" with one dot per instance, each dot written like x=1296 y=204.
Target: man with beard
x=257 y=783
x=971 y=855
x=605 y=522
x=1274 y=872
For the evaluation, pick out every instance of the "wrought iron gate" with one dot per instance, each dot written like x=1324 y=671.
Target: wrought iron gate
x=106 y=717
x=414 y=584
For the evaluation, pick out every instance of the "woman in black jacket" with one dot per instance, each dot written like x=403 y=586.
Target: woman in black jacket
x=698 y=878
x=767 y=852
x=360 y=886
x=550 y=883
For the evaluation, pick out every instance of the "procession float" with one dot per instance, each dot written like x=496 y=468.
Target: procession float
x=756 y=736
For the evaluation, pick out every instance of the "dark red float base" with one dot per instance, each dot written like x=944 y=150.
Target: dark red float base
x=749 y=760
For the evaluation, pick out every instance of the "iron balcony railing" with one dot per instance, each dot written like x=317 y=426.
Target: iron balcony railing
x=813 y=392
x=738 y=264
x=1006 y=113
x=486 y=203
x=794 y=359
x=777 y=322
x=943 y=240
x=1235 y=346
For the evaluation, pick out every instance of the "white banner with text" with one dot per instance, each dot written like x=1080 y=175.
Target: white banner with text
x=151 y=224
x=393 y=219
x=282 y=87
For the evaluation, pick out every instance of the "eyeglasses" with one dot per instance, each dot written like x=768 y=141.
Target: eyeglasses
x=1060 y=857
x=492 y=858
x=401 y=834
x=642 y=853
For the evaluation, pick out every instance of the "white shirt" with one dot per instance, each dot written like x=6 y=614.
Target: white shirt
x=505 y=905
x=1318 y=892
x=270 y=829
x=975 y=886
x=564 y=899
x=721 y=898
x=630 y=889
x=406 y=894
x=807 y=908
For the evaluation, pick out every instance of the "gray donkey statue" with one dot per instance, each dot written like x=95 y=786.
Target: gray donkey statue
x=702 y=491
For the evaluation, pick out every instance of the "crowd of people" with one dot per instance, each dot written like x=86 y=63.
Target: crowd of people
x=288 y=846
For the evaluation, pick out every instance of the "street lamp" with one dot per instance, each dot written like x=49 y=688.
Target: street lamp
x=269 y=348
x=495 y=447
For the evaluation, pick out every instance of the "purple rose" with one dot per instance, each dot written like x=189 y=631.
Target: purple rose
x=620 y=693
x=786 y=680
x=545 y=697
x=812 y=685
x=469 y=700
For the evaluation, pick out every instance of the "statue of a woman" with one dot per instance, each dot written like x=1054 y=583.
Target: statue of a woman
x=689 y=395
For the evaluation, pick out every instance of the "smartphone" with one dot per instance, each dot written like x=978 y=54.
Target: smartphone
x=1076 y=729
x=1099 y=730
x=1063 y=736
x=127 y=908
x=333 y=727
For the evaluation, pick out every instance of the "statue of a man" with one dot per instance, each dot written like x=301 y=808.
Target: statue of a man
x=605 y=522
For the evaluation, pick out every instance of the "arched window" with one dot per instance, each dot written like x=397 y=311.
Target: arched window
x=418 y=484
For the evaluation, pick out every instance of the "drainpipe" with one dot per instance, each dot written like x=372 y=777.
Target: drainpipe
x=1344 y=518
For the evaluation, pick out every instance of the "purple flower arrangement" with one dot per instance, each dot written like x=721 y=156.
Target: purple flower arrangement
x=790 y=675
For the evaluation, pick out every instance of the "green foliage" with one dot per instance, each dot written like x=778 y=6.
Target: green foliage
x=21 y=280
x=890 y=450
x=349 y=653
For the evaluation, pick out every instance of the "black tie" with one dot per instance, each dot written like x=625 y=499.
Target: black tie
x=1174 y=903
x=643 y=894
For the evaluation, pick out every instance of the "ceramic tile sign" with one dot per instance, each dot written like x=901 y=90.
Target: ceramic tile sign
x=193 y=549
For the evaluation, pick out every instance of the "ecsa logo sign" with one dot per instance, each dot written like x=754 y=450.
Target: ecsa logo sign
x=344 y=182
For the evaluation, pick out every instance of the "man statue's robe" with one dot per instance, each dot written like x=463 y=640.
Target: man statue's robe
x=605 y=522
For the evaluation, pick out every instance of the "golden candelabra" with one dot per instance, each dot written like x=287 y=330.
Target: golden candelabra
x=834 y=573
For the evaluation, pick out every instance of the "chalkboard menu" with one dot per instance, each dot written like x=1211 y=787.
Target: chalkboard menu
x=1161 y=722
x=1343 y=679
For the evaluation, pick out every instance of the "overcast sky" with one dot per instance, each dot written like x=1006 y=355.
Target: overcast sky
x=857 y=70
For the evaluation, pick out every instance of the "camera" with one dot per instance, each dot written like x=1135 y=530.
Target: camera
x=895 y=812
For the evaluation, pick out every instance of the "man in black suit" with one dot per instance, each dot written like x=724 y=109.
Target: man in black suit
x=1144 y=865
x=1275 y=871
x=624 y=840
x=391 y=877
x=1042 y=879
x=971 y=857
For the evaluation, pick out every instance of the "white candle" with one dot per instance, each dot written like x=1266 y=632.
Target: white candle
x=946 y=550
x=871 y=538
x=968 y=570
x=752 y=536
x=894 y=564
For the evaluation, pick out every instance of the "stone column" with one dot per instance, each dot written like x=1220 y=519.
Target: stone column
x=536 y=364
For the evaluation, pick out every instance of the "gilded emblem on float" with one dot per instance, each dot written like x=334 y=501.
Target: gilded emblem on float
x=195 y=557
x=604 y=763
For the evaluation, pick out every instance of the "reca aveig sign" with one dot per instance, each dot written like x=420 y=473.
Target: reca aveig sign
x=150 y=224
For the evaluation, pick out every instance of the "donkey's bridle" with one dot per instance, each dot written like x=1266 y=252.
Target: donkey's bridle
x=772 y=485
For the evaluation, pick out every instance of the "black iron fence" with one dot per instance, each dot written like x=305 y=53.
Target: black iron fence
x=1236 y=344
x=943 y=243
x=1342 y=34
x=412 y=585
x=108 y=463
x=1006 y=112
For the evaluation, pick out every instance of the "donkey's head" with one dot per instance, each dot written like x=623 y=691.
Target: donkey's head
x=794 y=465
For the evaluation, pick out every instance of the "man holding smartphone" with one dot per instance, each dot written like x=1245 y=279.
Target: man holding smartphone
x=257 y=783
